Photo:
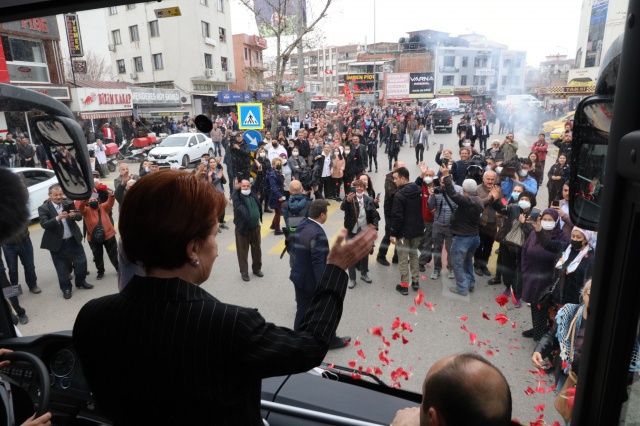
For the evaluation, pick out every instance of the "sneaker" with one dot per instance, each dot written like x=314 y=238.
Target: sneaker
x=451 y=275
x=35 y=290
x=455 y=290
x=402 y=290
x=382 y=261
x=366 y=279
x=23 y=319
x=528 y=333
x=478 y=271
x=415 y=285
x=352 y=283
x=486 y=271
x=423 y=268
x=435 y=275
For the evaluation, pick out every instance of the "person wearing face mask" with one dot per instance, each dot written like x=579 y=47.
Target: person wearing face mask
x=515 y=233
x=539 y=255
x=247 y=217
x=276 y=192
x=521 y=176
x=261 y=183
x=97 y=214
x=297 y=164
x=574 y=267
x=275 y=150
x=359 y=212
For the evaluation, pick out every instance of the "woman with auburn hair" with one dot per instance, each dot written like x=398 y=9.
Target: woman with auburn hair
x=165 y=329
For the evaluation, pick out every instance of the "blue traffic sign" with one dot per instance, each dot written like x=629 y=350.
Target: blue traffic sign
x=253 y=138
x=250 y=116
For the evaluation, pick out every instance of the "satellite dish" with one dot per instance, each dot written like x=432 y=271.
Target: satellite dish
x=203 y=123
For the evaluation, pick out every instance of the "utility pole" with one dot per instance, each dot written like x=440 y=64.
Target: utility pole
x=302 y=107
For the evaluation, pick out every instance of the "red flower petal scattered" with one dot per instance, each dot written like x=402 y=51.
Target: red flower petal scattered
x=356 y=343
x=369 y=370
x=501 y=318
x=377 y=371
x=413 y=310
x=490 y=352
x=424 y=277
x=407 y=326
x=396 y=323
x=485 y=316
x=404 y=284
x=565 y=364
x=419 y=298
x=556 y=424
x=529 y=391
x=429 y=305
x=376 y=331
x=502 y=300
x=404 y=340
x=473 y=337
x=385 y=342
x=361 y=354
x=356 y=376
x=331 y=365
x=463 y=318
x=383 y=358
x=513 y=325
x=395 y=336
x=539 y=408
x=352 y=364
x=464 y=327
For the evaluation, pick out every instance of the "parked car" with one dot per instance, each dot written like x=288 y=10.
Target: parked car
x=442 y=120
x=182 y=149
x=37 y=182
x=550 y=125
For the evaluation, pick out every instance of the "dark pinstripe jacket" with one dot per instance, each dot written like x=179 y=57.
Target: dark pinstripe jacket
x=164 y=351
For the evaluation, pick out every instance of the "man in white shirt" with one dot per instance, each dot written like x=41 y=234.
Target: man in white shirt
x=101 y=158
x=276 y=150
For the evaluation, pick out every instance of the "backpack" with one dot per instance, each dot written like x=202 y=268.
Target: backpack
x=290 y=227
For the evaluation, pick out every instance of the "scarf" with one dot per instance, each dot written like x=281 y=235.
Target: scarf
x=565 y=315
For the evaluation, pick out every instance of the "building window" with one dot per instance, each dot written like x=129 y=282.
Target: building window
x=157 y=61
x=115 y=35
x=223 y=34
x=208 y=61
x=479 y=81
x=154 y=29
x=463 y=80
x=205 y=29
x=447 y=80
x=465 y=61
x=518 y=62
x=449 y=61
x=204 y=2
x=246 y=54
x=137 y=62
x=131 y=6
x=133 y=33
x=480 y=62
x=121 y=68
x=21 y=51
x=504 y=80
x=113 y=10
x=506 y=63
x=223 y=62
x=220 y=5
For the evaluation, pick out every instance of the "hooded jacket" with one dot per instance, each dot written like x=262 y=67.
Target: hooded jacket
x=406 y=213
x=297 y=206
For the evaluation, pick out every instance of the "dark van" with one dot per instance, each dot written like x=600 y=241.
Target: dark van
x=442 y=120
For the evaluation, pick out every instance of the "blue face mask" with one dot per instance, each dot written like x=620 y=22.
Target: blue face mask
x=515 y=195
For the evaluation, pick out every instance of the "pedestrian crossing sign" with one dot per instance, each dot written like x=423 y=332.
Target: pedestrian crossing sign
x=250 y=117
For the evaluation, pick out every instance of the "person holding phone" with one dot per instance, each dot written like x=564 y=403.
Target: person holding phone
x=276 y=193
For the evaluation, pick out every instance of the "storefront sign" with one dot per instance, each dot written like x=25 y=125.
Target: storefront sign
x=61 y=93
x=80 y=67
x=420 y=84
x=143 y=96
x=262 y=42
x=263 y=96
x=483 y=53
x=447 y=91
x=28 y=73
x=44 y=27
x=357 y=78
x=398 y=85
x=87 y=99
x=485 y=71
x=73 y=35
x=235 y=96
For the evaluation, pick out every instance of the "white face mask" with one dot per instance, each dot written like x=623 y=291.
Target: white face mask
x=498 y=169
x=547 y=226
x=523 y=173
x=487 y=169
x=262 y=154
x=245 y=191
x=428 y=180
x=346 y=151
x=295 y=154
x=467 y=144
x=524 y=205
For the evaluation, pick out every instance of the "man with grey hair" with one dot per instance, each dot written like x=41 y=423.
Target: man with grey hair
x=465 y=226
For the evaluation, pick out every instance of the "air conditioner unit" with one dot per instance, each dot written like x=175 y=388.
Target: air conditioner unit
x=112 y=47
x=229 y=75
x=208 y=72
x=133 y=76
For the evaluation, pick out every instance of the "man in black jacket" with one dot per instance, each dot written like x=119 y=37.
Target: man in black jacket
x=390 y=189
x=247 y=217
x=359 y=211
x=360 y=158
x=406 y=229
x=465 y=226
x=240 y=158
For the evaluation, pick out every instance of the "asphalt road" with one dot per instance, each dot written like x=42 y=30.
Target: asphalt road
x=446 y=327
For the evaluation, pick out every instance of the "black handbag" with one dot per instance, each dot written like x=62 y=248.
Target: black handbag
x=546 y=297
x=97 y=235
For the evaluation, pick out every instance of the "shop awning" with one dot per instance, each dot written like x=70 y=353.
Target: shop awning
x=465 y=98
x=105 y=114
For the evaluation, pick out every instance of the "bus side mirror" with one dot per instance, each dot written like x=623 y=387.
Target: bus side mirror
x=591 y=127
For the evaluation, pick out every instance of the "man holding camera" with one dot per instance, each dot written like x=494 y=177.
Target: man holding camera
x=517 y=171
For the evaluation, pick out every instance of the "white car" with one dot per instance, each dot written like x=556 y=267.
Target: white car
x=38 y=182
x=181 y=148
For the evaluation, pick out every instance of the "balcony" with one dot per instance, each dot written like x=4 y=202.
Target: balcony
x=249 y=63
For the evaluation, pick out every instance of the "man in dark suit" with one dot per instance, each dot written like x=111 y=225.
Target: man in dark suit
x=483 y=135
x=308 y=260
x=63 y=238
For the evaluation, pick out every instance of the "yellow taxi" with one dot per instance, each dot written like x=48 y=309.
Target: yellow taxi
x=550 y=125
